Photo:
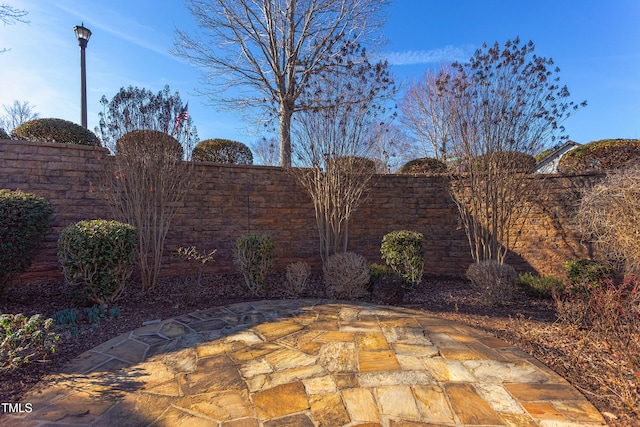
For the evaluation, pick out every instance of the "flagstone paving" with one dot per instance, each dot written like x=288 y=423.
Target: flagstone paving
x=305 y=363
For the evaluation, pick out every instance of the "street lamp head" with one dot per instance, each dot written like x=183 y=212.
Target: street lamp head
x=82 y=34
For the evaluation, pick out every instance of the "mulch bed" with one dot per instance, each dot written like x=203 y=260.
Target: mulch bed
x=525 y=322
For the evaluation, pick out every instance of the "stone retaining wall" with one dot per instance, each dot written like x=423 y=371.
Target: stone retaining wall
x=232 y=200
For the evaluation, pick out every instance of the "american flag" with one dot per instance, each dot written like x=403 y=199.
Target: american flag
x=184 y=115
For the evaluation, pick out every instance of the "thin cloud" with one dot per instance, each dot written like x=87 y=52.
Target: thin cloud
x=127 y=29
x=432 y=56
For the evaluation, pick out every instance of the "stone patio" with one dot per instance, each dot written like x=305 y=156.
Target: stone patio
x=305 y=363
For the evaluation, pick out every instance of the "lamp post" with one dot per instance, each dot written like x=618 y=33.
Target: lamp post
x=83 y=34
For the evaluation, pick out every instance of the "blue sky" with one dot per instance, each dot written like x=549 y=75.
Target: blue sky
x=595 y=43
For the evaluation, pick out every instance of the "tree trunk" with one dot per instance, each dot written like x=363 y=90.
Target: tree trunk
x=285 y=135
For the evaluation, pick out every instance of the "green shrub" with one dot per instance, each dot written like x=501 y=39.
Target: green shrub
x=587 y=272
x=378 y=271
x=66 y=317
x=493 y=280
x=98 y=255
x=55 y=130
x=151 y=142
x=603 y=155
x=402 y=251
x=544 y=153
x=426 y=165
x=354 y=164
x=25 y=220
x=4 y=134
x=346 y=275
x=24 y=339
x=510 y=160
x=253 y=256
x=222 y=151
x=72 y=322
x=539 y=286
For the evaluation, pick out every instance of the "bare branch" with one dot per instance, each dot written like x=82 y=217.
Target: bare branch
x=17 y=114
x=10 y=15
x=500 y=108
x=271 y=50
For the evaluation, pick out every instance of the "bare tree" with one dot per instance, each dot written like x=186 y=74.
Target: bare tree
x=426 y=112
x=333 y=145
x=391 y=147
x=146 y=183
x=16 y=114
x=265 y=53
x=266 y=151
x=505 y=102
x=140 y=109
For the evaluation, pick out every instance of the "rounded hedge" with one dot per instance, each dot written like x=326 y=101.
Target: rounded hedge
x=55 y=130
x=25 y=220
x=425 y=165
x=222 y=151
x=511 y=160
x=602 y=155
x=354 y=164
x=99 y=255
x=151 y=142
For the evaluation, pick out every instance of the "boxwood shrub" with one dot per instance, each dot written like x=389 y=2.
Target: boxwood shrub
x=402 y=251
x=149 y=142
x=98 y=255
x=222 y=151
x=55 y=130
x=602 y=155
x=426 y=165
x=25 y=220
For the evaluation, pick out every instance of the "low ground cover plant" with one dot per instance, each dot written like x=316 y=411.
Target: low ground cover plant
x=25 y=339
x=25 y=220
x=539 y=286
x=253 y=256
x=99 y=256
x=586 y=271
x=377 y=272
x=72 y=322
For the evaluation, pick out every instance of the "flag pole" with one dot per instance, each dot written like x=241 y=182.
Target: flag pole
x=186 y=129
